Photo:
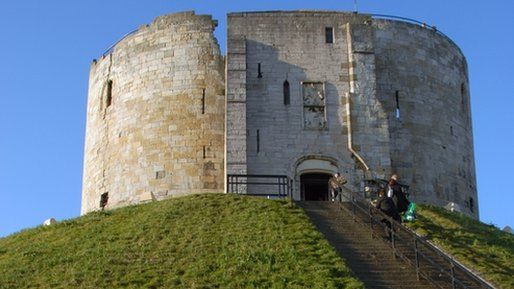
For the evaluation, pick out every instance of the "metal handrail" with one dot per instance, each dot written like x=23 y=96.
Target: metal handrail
x=455 y=273
x=412 y=21
x=111 y=48
x=283 y=183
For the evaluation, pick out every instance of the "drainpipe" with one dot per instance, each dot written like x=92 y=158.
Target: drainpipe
x=350 y=141
x=351 y=80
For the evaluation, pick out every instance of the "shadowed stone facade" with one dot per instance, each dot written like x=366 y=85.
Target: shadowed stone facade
x=306 y=92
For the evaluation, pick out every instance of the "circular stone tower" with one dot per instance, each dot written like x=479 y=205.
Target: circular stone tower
x=365 y=95
x=422 y=83
x=155 y=115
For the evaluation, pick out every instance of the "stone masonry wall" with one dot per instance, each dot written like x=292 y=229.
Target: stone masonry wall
x=402 y=90
x=163 y=133
x=291 y=46
x=432 y=137
x=385 y=95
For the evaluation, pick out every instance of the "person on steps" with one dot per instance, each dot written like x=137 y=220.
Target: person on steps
x=335 y=183
x=387 y=206
x=394 y=191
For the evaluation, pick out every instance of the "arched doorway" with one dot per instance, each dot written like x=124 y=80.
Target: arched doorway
x=314 y=186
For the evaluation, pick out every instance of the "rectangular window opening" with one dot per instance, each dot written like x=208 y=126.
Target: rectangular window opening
x=203 y=101
x=397 y=97
x=287 y=93
x=108 y=98
x=259 y=71
x=258 y=141
x=204 y=152
x=160 y=175
x=104 y=198
x=463 y=95
x=329 y=35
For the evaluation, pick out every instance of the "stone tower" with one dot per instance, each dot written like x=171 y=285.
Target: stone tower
x=308 y=93
x=155 y=116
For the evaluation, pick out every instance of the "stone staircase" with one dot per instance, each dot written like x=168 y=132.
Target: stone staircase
x=371 y=259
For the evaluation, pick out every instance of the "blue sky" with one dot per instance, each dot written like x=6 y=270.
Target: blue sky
x=47 y=48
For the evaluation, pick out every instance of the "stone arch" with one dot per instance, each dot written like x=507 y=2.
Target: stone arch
x=312 y=164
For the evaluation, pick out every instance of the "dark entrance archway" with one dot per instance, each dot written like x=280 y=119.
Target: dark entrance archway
x=314 y=186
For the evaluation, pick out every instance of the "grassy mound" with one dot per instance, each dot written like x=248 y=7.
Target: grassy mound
x=201 y=241
x=483 y=248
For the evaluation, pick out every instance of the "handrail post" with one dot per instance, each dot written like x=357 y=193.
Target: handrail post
x=393 y=241
x=452 y=270
x=417 y=257
x=370 y=221
x=353 y=208
x=289 y=189
x=280 y=184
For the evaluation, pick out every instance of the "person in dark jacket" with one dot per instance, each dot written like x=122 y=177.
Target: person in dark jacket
x=387 y=206
x=394 y=191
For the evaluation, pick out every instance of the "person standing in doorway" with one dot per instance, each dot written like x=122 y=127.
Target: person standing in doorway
x=335 y=184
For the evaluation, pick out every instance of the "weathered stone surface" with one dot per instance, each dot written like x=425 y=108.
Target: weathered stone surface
x=387 y=95
x=400 y=91
x=166 y=117
x=432 y=139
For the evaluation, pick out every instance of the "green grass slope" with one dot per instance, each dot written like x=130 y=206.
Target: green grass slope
x=483 y=248
x=201 y=241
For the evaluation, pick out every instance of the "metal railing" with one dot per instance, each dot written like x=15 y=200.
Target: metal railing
x=111 y=48
x=412 y=21
x=429 y=261
x=270 y=186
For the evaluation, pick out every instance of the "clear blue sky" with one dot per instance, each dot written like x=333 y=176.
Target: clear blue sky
x=47 y=47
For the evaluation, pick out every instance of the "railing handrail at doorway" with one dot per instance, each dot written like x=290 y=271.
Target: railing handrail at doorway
x=237 y=184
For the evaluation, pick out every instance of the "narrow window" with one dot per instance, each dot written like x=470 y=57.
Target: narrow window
x=204 y=152
x=463 y=95
x=258 y=141
x=108 y=99
x=287 y=98
x=160 y=174
x=397 y=97
x=259 y=72
x=104 y=198
x=471 y=205
x=329 y=35
x=451 y=130
x=203 y=101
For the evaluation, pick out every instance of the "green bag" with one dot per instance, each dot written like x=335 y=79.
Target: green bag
x=410 y=214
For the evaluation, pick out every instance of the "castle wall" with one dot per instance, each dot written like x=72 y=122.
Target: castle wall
x=306 y=92
x=432 y=137
x=291 y=46
x=163 y=133
x=396 y=99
